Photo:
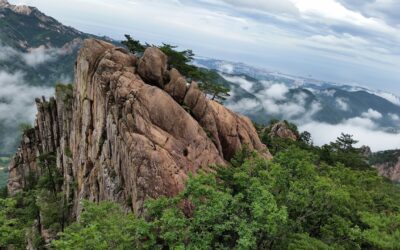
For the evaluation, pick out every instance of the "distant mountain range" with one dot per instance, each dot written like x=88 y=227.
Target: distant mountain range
x=36 y=52
x=37 y=45
x=263 y=94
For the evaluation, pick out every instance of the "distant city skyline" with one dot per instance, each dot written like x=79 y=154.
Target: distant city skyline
x=344 y=41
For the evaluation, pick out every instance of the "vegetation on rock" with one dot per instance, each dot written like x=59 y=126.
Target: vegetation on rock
x=183 y=62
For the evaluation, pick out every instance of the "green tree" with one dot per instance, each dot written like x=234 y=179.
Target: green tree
x=343 y=150
x=134 y=46
x=105 y=226
x=25 y=127
x=383 y=230
x=217 y=92
x=180 y=60
x=183 y=62
x=12 y=233
x=345 y=142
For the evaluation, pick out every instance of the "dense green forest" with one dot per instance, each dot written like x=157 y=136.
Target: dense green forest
x=4 y=170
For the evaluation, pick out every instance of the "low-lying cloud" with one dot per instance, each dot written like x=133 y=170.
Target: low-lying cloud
x=275 y=101
x=33 y=57
x=323 y=133
x=363 y=128
x=342 y=104
x=40 y=55
x=243 y=83
x=275 y=91
x=372 y=114
x=17 y=103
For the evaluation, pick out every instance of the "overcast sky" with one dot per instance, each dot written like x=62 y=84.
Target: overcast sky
x=347 y=41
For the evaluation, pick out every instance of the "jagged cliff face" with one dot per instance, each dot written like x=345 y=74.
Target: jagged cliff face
x=130 y=130
x=387 y=163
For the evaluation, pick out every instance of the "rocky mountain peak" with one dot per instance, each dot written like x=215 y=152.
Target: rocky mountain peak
x=4 y=3
x=21 y=9
x=129 y=130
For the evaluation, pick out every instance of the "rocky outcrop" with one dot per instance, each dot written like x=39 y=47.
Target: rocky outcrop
x=282 y=130
x=387 y=163
x=152 y=67
x=121 y=136
x=390 y=171
x=366 y=151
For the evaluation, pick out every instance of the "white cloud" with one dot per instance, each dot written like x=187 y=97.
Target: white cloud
x=270 y=6
x=342 y=104
x=385 y=9
x=34 y=57
x=291 y=109
x=243 y=83
x=323 y=133
x=388 y=96
x=6 y=52
x=346 y=41
x=40 y=55
x=362 y=122
x=17 y=102
x=245 y=105
x=372 y=114
x=335 y=13
x=276 y=91
x=330 y=92
x=394 y=117
x=18 y=98
x=226 y=68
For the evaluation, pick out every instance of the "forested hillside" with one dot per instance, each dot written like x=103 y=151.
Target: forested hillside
x=296 y=201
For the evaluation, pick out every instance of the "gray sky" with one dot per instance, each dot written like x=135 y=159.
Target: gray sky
x=347 y=41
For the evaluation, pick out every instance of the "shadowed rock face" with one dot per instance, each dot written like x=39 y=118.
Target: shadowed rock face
x=122 y=137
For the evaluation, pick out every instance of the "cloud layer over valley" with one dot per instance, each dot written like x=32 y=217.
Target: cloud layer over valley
x=303 y=107
x=33 y=57
x=17 y=104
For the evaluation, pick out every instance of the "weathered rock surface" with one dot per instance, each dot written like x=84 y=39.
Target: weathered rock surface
x=281 y=130
x=177 y=86
x=392 y=172
x=152 y=66
x=120 y=136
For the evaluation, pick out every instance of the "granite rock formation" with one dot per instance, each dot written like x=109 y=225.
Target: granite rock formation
x=282 y=130
x=131 y=129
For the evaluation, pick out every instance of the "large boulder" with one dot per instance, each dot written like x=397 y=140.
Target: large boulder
x=153 y=66
x=228 y=130
x=282 y=130
x=177 y=86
